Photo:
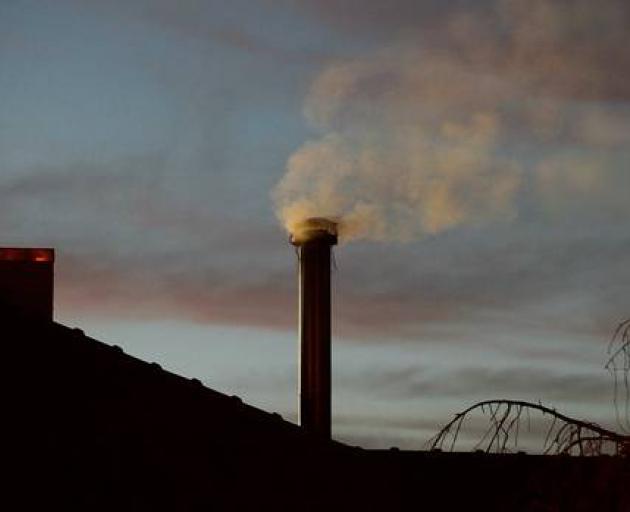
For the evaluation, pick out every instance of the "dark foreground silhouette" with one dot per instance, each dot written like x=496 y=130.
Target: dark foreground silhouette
x=93 y=429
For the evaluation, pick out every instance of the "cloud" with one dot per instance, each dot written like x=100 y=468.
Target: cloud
x=527 y=278
x=179 y=281
x=528 y=384
x=570 y=43
x=235 y=26
x=428 y=134
x=149 y=289
x=425 y=138
x=419 y=400
x=135 y=241
x=575 y=182
x=470 y=380
x=221 y=283
x=374 y=19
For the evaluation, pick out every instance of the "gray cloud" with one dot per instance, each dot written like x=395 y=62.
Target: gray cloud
x=428 y=397
x=470 y=382
x=151 y=225
x=133 y=240
x=372 y=18
x=561 y=46
x=521 y=272
x=233 y=26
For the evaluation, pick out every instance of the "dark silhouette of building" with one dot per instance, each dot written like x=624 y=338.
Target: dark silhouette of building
x=96 y=429
x=91 y=428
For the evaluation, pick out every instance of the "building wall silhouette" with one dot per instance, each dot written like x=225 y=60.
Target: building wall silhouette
x=96 y=429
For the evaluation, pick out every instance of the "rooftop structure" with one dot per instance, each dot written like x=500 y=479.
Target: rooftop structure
x=98 y=430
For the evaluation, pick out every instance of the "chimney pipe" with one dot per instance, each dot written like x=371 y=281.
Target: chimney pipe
x=27 y=280
x=314 y=239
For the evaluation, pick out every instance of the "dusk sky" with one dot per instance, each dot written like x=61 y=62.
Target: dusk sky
x=477 y=154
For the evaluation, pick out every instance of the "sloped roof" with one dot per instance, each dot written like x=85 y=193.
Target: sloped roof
x=118 y=428
x=98 y=429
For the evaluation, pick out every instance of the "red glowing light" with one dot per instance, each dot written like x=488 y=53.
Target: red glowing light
x=27 y=255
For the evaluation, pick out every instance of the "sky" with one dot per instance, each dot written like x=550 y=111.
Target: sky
x=476 y=153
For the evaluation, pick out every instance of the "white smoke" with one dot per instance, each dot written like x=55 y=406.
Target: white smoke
x=429 y=134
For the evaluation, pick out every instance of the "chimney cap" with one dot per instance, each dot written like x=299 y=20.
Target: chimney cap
x=27 y=254
x=312 y=229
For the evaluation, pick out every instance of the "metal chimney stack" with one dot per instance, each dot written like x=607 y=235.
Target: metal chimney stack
x=314 y=239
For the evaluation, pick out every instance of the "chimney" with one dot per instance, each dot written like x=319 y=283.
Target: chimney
x=26 y=281
x=314 y=239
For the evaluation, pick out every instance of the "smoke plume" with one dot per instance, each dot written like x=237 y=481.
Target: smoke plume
x=444 y=129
